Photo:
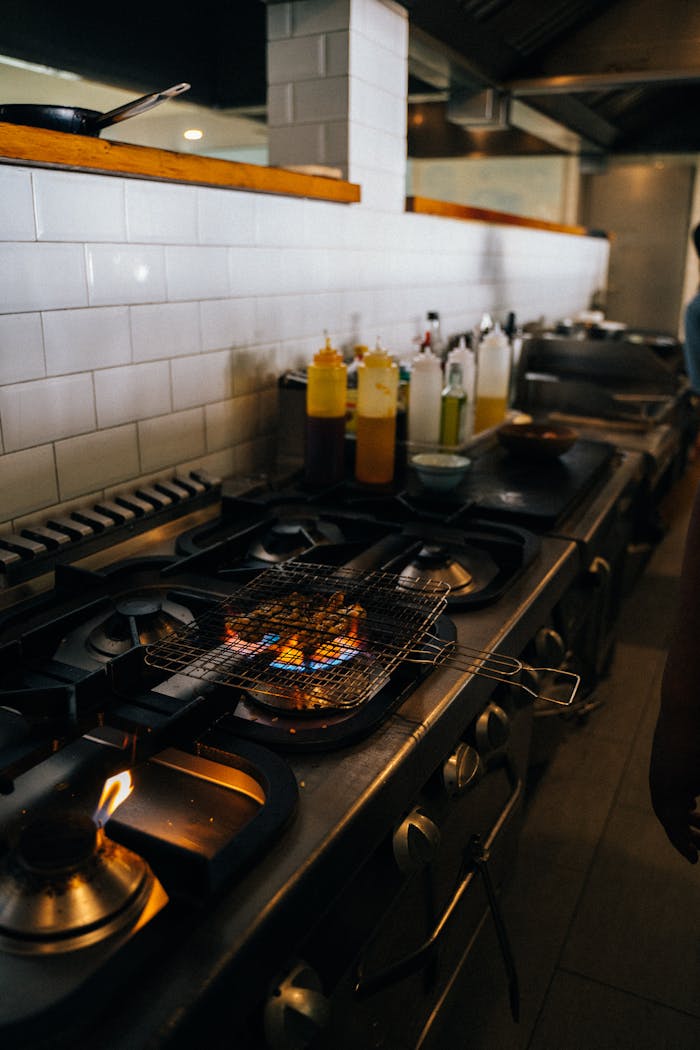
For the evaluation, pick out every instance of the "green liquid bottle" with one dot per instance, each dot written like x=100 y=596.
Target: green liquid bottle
x=453 y=420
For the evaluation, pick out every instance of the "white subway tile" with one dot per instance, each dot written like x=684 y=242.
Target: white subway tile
x=227 y=323
x=300 y=58
x=279 y=221
x=221 y=425
x=21 y=348
x=254 y=369
x=45 y=410
x=276 y=316
x=161 y=214
x=279 y=21
x=280 y=107
x=326 y=224
x=92 y=462
x=165 y=330
x=316 y=100
x=27 y=482
x=337 y=53
x=75 y=207
x=80 y=340
x=386 y=22
x=319 y=16
x=227 y=217
x=297 y=144
x=232 y=422
x=168 y=440
x=16 y=205
x=124 y=395
x=122 y=274
x=198 y=380
x=254 y=271
x=41 y=277
x=197 y=273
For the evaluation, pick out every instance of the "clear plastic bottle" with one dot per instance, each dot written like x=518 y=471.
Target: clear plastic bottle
x=436 y=340
x=351 y=398
x=493 y=380
x=454 y=408
x=466 y=358
x=326 y=395
x=377 y=391
x=424 y=399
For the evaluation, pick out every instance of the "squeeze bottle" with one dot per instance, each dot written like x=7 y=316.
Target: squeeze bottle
x=325 y=417
x=377 y=391
x=424 y=399
x=493 y=379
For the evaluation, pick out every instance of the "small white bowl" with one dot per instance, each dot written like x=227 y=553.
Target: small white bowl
x=440 y=471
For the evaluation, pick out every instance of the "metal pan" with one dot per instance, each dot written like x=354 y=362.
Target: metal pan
x=83 y=121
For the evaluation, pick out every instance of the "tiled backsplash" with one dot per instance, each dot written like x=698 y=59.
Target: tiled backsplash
x=143 y=325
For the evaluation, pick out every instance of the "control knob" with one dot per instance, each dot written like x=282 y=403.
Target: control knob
x=296 y=1011
x=415 y=841
x=491 y=729
x=462 y=770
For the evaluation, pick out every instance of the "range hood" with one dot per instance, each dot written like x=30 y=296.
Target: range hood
x=494 y=76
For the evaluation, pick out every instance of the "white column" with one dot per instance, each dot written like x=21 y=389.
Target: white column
x=337 y=74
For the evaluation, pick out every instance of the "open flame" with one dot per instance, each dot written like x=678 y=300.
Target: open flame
x=115 y=790
x=241 y=647
x=292 y=657
x=314 y=634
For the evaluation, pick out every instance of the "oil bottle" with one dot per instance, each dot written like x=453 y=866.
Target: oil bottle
x=492 y=380
x=377 y=393
x=326 y=394
x=453 y=423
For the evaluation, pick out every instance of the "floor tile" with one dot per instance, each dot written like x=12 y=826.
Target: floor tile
x=636 y=927
x=584 y=1015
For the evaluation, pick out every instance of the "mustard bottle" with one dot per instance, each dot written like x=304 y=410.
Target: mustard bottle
x=377 y=395
x=326 y=393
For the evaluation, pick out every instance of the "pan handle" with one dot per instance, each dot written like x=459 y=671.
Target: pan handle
x=139 y=105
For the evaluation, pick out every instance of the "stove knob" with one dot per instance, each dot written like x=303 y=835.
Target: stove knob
x=462 y=770
x=296 y=1011
x=549 y=647
x=415 y=842
x=491 y=729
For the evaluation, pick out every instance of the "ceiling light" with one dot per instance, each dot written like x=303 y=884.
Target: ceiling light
x=193 y=134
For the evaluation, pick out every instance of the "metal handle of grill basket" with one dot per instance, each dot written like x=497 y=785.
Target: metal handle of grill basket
x=489 y=664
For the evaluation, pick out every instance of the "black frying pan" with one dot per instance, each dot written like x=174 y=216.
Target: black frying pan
x=83 y=121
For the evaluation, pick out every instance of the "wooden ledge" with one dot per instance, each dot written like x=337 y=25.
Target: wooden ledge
x=57 y=149
x=426 y=206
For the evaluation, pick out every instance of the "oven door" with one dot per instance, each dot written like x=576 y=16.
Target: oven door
x=378 y=968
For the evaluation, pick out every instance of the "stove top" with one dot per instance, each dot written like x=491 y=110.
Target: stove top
x=211 y=785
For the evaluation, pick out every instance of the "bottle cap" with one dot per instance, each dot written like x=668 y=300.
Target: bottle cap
x=328 y=356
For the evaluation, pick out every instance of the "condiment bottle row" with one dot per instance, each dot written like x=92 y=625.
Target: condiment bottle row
x=444 y=404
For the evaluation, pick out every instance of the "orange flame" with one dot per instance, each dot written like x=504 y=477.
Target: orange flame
x=115 y=790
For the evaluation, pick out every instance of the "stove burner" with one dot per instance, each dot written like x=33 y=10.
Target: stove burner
x=66 y=886
x=137 y=620
x=465 y=569
x=287 y=539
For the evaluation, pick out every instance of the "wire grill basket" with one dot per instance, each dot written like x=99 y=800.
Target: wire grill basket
x=306 y=638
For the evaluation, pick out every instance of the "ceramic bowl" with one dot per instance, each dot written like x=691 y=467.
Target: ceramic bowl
x=440 y=471
x=537 y=440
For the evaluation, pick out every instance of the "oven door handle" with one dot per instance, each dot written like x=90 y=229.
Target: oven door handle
x=476 y=855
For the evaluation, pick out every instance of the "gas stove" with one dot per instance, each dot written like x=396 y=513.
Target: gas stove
x=206 y=784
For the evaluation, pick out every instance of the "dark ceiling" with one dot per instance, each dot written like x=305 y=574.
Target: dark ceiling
x=622 y=76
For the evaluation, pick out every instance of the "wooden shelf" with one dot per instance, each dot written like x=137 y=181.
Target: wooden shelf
x=426 y=206
x=57 y=149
